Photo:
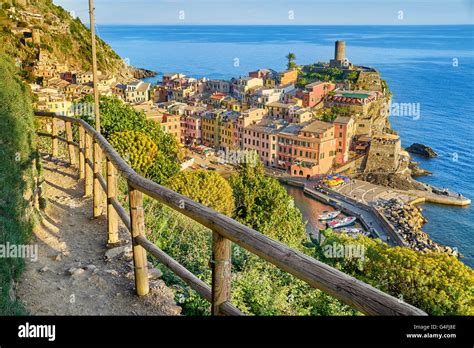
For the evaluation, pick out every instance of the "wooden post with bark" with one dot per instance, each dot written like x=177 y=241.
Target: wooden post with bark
x=221 y=272
x=82 y=169
x=97 y=189
x=112 y=218
x=137 y=221
x=54 y=138
x=72 y=151
x=89 y=174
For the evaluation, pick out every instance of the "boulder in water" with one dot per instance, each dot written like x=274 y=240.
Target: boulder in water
x=422 y=150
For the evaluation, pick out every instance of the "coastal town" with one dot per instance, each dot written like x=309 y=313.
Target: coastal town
x=305 y=131
x=305 y=124
x=301 y=133
x=237 y=170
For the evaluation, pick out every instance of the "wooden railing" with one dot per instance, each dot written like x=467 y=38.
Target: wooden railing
x=93 y=147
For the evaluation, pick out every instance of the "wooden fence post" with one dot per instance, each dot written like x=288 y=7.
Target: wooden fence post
x=221 y=272
x=112 y=217
x=137 y=222
x=82 y=171
x=72 y=153
x=97 y=188
x=54 y=139
x=88 y=157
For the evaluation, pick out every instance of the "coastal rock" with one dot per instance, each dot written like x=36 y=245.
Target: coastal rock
x=422 y=150
x=140 y=73
x=417 y=171
x=408 y=221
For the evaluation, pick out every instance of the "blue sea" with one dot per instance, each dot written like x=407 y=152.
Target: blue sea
x=429 y=65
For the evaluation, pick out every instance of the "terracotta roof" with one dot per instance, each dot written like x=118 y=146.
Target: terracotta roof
x=317 y=127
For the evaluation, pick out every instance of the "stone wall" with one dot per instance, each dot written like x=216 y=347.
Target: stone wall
x=384 y=154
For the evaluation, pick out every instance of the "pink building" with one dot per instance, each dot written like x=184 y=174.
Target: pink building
x=307 y=150
x=345 y=129
x=262 y=138
x=191 y=129
x=314 y=93
x=247 y=118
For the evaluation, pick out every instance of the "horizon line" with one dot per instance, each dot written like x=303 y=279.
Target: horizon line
x=287 y=25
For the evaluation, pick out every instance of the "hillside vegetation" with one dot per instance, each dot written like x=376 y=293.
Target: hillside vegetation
x=64 y=38
x=17 y=151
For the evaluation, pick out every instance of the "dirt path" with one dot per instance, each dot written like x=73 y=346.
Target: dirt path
x=71 y=275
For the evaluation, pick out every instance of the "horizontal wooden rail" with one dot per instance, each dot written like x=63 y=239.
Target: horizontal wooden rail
x=102 y=182
x=89 y=163
x=121 y=212
x=349 y=290
x=64 y=140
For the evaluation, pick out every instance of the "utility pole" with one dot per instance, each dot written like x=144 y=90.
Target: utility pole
x=97 y=193
x=94 y=66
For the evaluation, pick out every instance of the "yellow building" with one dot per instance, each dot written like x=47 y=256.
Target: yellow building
x=229 y=131
x=211 y=123
x=288 y=77
x=61 y=107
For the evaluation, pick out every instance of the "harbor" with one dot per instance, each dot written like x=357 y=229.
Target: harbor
x=373 y=206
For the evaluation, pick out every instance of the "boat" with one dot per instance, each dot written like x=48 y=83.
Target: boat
x=342 y=222
x=351 y=230
x=330 y=215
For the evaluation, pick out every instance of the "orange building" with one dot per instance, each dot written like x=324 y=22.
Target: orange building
x=288 y=77
x=345 y=130
x=307 y=150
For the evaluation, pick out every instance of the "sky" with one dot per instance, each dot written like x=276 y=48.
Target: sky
x=277 y=12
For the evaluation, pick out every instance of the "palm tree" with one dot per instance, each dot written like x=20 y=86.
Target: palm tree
x=291 y=60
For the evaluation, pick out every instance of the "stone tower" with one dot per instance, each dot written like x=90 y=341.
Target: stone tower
x=340 y=51
x=340 y=60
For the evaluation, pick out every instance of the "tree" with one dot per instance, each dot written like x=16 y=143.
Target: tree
x=136 y=148
x=205 y=187
x=263 y=204
x=291 y=57
x=116 y=116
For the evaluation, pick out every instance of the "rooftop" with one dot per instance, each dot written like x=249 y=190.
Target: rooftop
x=317 y=127
x=278 y=105
x=342 y=119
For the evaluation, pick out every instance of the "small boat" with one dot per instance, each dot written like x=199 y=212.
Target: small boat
x=351 y=230
x=342 y=222
x=330 y=215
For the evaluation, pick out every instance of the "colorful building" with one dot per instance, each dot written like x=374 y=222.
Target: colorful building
x=307 y=150
x=288 y=77
x=262 y=138
x=345 y=130
x=229 y=131
x=314 y=93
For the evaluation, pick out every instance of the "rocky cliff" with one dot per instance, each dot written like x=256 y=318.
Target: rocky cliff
x=30 y=27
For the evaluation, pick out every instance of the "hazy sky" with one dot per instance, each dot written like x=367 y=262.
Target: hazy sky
x=325 y=12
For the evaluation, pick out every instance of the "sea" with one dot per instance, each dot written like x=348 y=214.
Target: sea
x=428 y=68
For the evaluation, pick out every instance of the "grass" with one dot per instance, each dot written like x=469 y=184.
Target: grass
x=16 y=178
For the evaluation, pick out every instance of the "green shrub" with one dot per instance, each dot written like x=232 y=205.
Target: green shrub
x=136 y=148
x=435 y=282
x=206 y=187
